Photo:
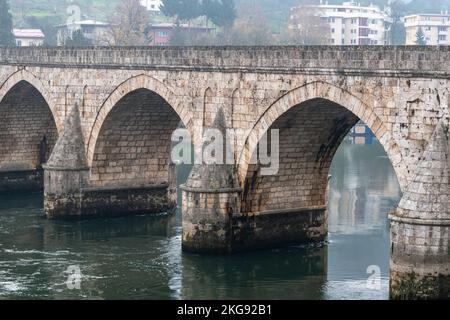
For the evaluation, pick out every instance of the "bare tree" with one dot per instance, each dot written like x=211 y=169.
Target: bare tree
x=128 y=23
x=307 y=27
x=249 y=30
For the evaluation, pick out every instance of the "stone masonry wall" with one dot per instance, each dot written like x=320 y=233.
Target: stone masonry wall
x=309 y=135
x=287 y=58
x=400 y=92
x=24 y=120
x=133 y=147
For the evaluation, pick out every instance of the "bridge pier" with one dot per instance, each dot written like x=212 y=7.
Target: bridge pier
x=420 y=228
x=210 y=200
x=215 y=222
x=420 y=264
x=66 y=172
x=69 y=195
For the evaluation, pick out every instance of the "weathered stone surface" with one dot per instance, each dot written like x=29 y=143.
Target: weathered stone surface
x=109 y=202
x=425 y=282
x=25 y=121
x=274 y=229
x=130 y=99
x=133 y=147
x=307 y=147
x=420 y=227
x=428 y=195
x=210 y=199
x=69 y=151
x=420 y=261
x=25 y=180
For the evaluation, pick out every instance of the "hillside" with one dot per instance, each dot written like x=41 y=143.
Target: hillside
x=46 y=14
x=98 y=9
x=272 y=9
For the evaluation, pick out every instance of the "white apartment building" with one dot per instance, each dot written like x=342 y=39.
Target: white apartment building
x=351 y=23
x=151 y=5
x=434 y=26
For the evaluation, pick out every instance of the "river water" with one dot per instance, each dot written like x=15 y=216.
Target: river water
x=140 y=257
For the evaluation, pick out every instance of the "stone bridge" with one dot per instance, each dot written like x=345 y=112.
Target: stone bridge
x=93 y=127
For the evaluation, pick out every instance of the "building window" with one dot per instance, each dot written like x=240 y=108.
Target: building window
x=331 y=20
x=442 y=38
x=162 y=34
x=332 y=41
x=354 y=21
x=441 y=29
x=19 y=43
x=428 y=29
x=364 y=22
x=332 y=30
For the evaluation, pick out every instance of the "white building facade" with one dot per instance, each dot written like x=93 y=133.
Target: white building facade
x=351 y=23
x=152 y=5
x=29 y=37
x=435 y=28
x=97 y=32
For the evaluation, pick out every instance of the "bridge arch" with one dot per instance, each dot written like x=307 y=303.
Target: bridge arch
x=128 y=86
x=24 y=75
x=312 y=120
x=131 y=138
x=29 y=128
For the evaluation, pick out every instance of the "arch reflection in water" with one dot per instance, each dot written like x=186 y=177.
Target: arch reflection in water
x=363 y=189
x=294 y=273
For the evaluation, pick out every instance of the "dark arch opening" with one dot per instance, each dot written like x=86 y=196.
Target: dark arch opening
x=309 y=135
x=28 y=134
x=133 y=146
x=298 y=203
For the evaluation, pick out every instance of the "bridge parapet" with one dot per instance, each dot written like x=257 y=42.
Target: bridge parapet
x=390 y=60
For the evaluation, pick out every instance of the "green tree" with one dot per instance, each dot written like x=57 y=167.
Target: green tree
x=178 y=37
x=398 y=9
x=78 y=40
x=221 y=12
x=181 y=9
x=189 y=9
x=46 y=24
x=420 y=38
x=6 y=25
x=170 y=8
